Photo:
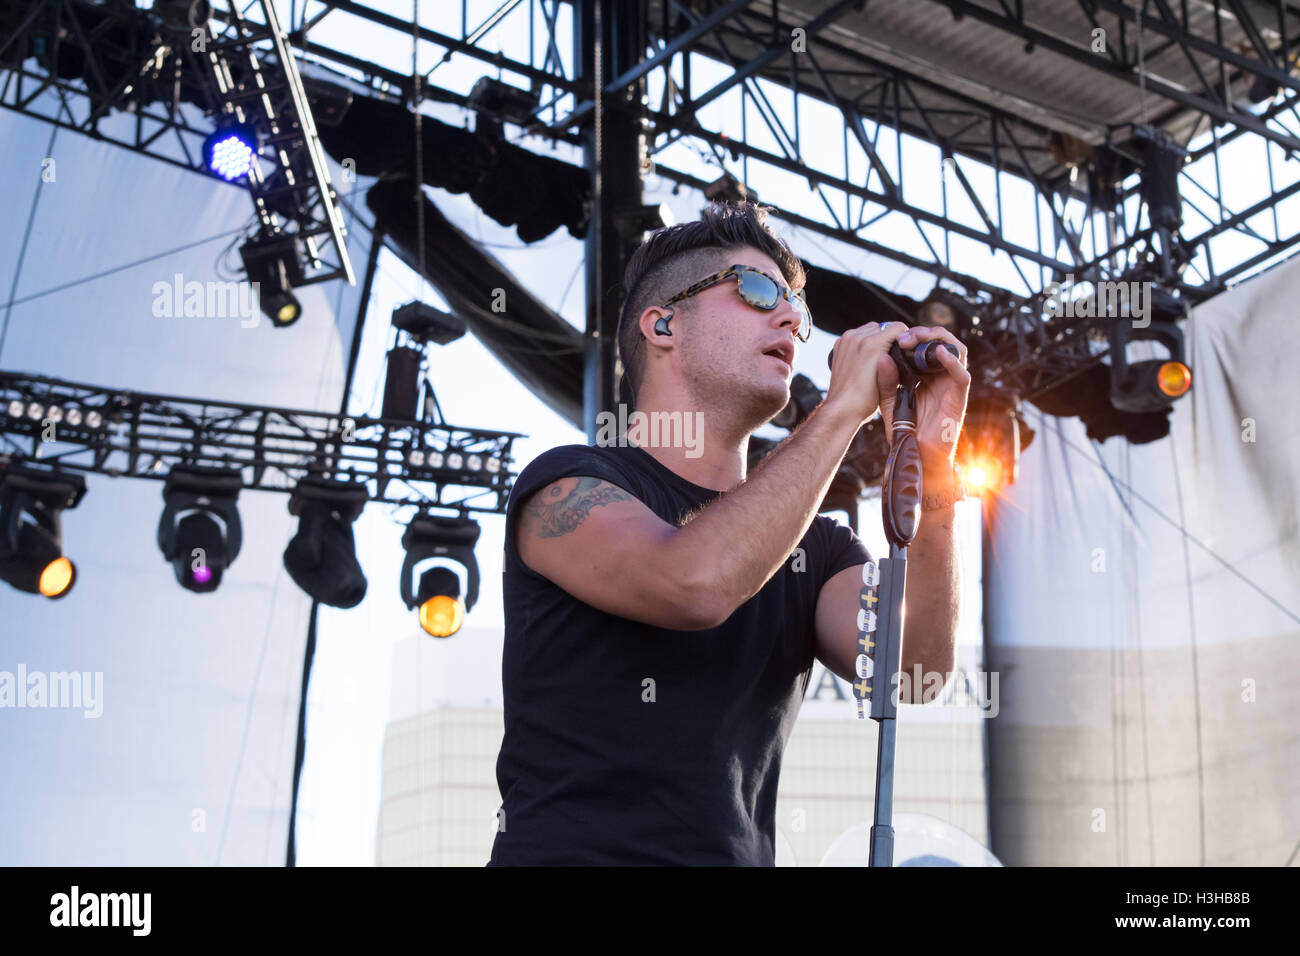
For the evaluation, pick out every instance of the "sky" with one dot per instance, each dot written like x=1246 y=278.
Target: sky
x=350 y=698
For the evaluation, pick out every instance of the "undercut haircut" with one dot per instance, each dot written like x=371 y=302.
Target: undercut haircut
x=673 y=258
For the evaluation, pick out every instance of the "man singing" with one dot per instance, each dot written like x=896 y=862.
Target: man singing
x=662 y=607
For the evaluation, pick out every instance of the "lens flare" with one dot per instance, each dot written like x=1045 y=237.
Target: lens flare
x=983 y=475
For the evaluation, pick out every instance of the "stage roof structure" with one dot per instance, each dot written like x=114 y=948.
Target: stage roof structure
x=1114 y=115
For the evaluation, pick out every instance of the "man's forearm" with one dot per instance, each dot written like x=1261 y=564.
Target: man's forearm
x=739 y=541
x=933 y=595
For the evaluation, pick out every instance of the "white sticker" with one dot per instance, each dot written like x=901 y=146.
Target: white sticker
x=870 y=574
x=866 y=620
x=866 y=666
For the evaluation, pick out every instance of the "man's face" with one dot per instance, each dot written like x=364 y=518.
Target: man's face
x=727 y=348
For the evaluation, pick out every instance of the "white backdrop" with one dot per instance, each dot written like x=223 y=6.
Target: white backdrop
x=191 y=760
x=1148 y=677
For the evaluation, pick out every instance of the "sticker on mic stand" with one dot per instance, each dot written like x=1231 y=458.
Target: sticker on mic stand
x=866 y=620
x=866 y=666
x=870 y=574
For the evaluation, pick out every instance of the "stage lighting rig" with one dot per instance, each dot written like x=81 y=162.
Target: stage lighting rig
x=430 y=537
x=258 y=95
x=32 y=501
x=200 y=532
x=133 y=434
x=1154 y=384
x=417 y=324
x=272 y=261
x=322 y=557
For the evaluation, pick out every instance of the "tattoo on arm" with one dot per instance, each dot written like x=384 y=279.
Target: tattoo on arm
x=561 y=507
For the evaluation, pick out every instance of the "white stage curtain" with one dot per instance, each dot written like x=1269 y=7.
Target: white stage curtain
x=1143 y=611
x=190 y=759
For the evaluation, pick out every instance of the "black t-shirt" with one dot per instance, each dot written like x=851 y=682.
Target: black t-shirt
x=627 y=743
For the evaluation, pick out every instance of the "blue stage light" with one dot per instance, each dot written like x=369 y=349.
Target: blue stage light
x=230 y=150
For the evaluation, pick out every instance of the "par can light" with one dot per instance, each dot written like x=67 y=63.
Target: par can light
x=230 y=150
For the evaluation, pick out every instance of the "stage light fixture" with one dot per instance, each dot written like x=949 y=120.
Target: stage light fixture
x=988 y=449
x=322 y=557
x=441 y=610
x=426 y=324
x=32 y=501
x=1151 y=385
x=230 y=150
x=273 y=263
x=430 y=537
x=470 y=465
x=804 y=397
x=200 y=532
x=494 y=101
x=183 y=15
x=862 y=467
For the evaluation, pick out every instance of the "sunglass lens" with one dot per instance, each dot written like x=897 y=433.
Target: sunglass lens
x=758 y=290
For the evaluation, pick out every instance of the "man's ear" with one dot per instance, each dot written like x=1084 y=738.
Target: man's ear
x=656 y=324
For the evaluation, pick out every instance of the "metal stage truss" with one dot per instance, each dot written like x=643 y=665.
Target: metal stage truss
x=87 y=428
x=1079 y=100
x=113 y=72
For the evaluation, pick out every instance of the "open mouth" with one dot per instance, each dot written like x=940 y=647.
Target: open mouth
x=778 y=354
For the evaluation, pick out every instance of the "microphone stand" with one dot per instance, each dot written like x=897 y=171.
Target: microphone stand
x=880 y=641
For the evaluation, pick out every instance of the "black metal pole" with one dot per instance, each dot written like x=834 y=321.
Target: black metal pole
x=884 y=709
x=608 y=41
x=376 y=243
x=901 y=494
x=300 y=751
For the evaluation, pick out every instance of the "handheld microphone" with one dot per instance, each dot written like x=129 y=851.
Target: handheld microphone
x=919 y=361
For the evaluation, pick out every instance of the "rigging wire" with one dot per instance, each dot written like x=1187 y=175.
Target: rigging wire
x=1196 y=671
x=122 y=268
x=1292 y=615
x=22 y=250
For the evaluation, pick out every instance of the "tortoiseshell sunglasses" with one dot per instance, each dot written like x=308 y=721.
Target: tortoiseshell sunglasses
x=758 y=289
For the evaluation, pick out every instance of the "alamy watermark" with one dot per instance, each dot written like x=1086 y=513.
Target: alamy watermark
x=126 y=910
x=651 y=430
x=1117 y=300
x=957 y=688
x=72 y=690
x=208 y=300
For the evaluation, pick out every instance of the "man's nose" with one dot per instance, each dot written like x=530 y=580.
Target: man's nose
x=786 y=316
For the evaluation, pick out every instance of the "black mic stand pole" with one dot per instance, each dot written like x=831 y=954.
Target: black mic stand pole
x=881 y=657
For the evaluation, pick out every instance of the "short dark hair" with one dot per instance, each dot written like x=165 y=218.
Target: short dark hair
x=673 y=257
